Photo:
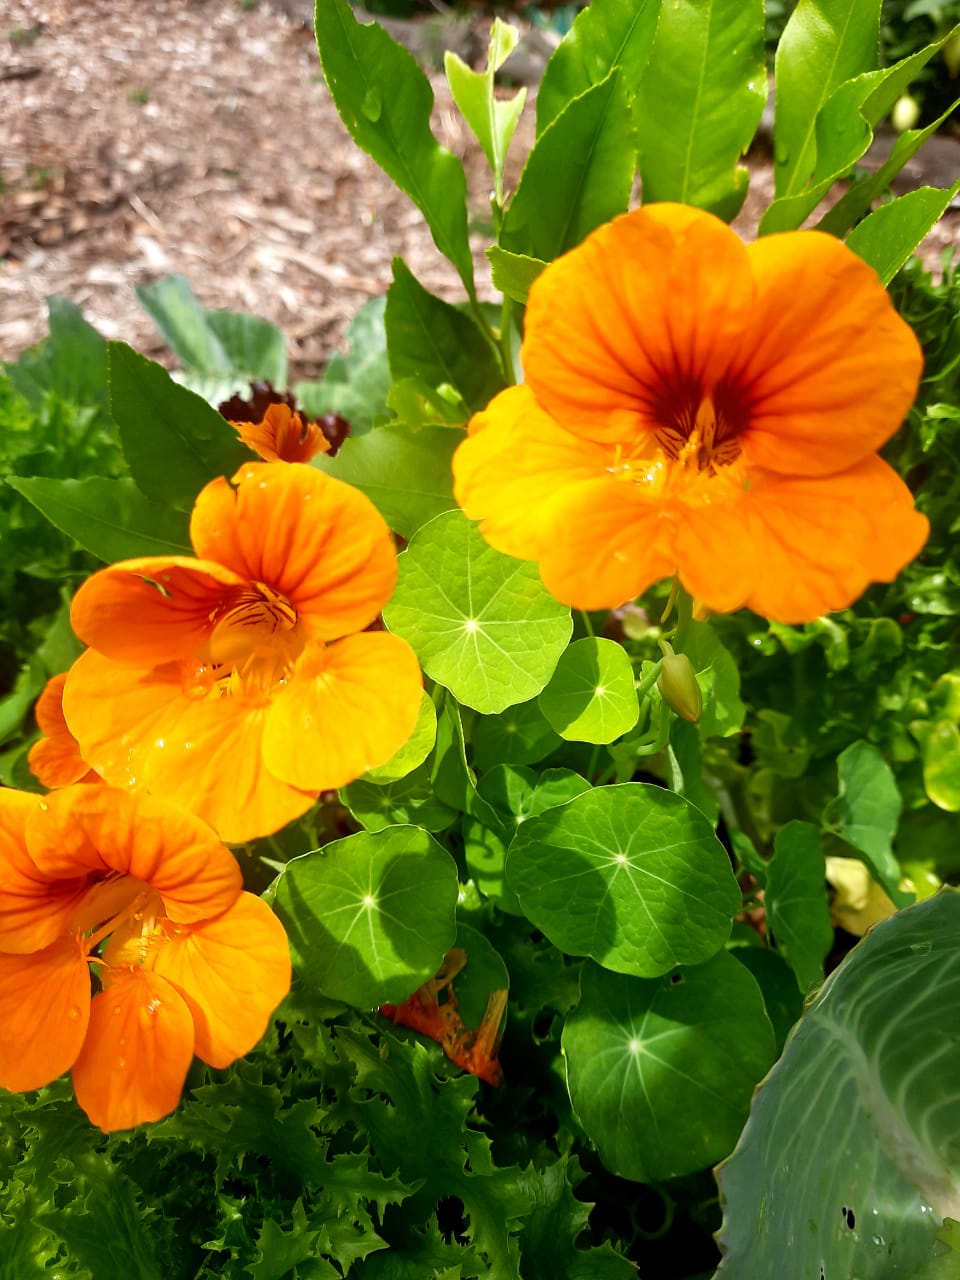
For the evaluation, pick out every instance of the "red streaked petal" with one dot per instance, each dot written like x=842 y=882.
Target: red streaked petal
x=156 y=609
x=138 y=1050
x=347 y=708
x=317 y=541
x=44 y=1011
x=232 y=972
x=104 y=829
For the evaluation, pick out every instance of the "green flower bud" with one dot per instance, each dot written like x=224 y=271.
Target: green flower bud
x=678 y=684
x=905 y=113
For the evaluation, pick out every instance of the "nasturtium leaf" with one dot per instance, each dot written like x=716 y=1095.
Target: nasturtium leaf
x=370 y=917
x=778 y=985
x=887 y=237
x=824 y=44
x=631 y=875
x=429 y=339
x=515 y=794
x=591 y=696
x=940 y=744
x=699 y=102
x=414 y=751
x=866 y=811
x=493 y=120
x=686 y=769
x=605 y=35
x=355 y=383
x=483 y=974
x=453 y=780
x=577 y=176
x=482 y=624
x=719 y=680
x=661 y=1071
x=519 y=735
x=174 y=442
x=109 y=518
x=385 y=101
x=224 y=343
x=410 y=799
x=796 y=902
x=513 y=273
x=872 y=1069
x=405 y=473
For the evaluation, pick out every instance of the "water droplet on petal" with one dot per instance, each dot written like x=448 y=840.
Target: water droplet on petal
x=121 y=1064
x=74 y=1014
x=117 y=1009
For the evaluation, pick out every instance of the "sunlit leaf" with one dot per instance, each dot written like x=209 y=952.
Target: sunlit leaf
x=591 y=696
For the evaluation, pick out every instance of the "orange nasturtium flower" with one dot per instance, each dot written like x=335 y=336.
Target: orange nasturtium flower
x=145 y=895
x=242 y=683
x=55 y=758
x=282 y=435
x=701 y=407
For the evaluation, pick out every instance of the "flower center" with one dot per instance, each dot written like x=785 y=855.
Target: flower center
x=255 y=641
x=121 y=906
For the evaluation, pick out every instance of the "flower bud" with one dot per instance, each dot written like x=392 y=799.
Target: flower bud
x=678 y=685
x=905 y=113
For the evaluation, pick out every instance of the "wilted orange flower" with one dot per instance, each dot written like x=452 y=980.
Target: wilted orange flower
x=701 y=407
x=145 y=895
x=472 y=1050
x=235 y=684
x=282 y=435
x=55 y=759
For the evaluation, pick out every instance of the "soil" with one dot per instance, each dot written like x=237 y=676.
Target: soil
x=197 y=137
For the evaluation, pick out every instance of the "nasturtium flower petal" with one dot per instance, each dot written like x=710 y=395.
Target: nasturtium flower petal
x=202 y=752
x=34 y=910
x=365 y=691
x=55 y=759
x=828 y=367
x=232 y=973
x=701 y=408
x=82 y=830
x=317 y=541
x=44 y=1011
x=152 y=610
x=138 y=1050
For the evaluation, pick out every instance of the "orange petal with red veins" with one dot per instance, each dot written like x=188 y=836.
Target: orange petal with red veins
x=138 y=1050
x=34 y=910
x=56 y=758
x=827 y=365
x=104 y=829
x=822 y=540
x=512 y=463
x=203 y=752
x=315 y=540
x=347 y=708
x=152 y=610
x=649 y=305
x=282 y=435
x=44 y=1010
x=232 y=972
x=606 y=544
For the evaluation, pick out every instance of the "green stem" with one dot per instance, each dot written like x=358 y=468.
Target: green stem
x=587 y=624
x=646 y=683
x=506 y=346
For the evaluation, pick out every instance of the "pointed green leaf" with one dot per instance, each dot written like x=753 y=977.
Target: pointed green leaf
x=493 y=120
x=355 y=383
x=577 y=176
x=887 y=237
x=173 y=441
x=482 y=624
x=661 y=1072
x=796 y=902
x=71 y=361
x=370 y=917
x=591 y=696
x=433 y=341
x=824 y=44
x=873 y=1064
x=699 y=102
x=109 y=518
x=866 y=811
x=631 y=875
x=605 y=35
x=513 y=273
x=385 y=101
x=404 y=472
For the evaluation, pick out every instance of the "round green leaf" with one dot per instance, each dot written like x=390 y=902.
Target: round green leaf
x=414 y=751
x=482 y=624
x=591 y=696
x=661 y=1072
x=411 y=799
x=370 y=918
x=848 y=1161
x=520 y=735
x=631 y=875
